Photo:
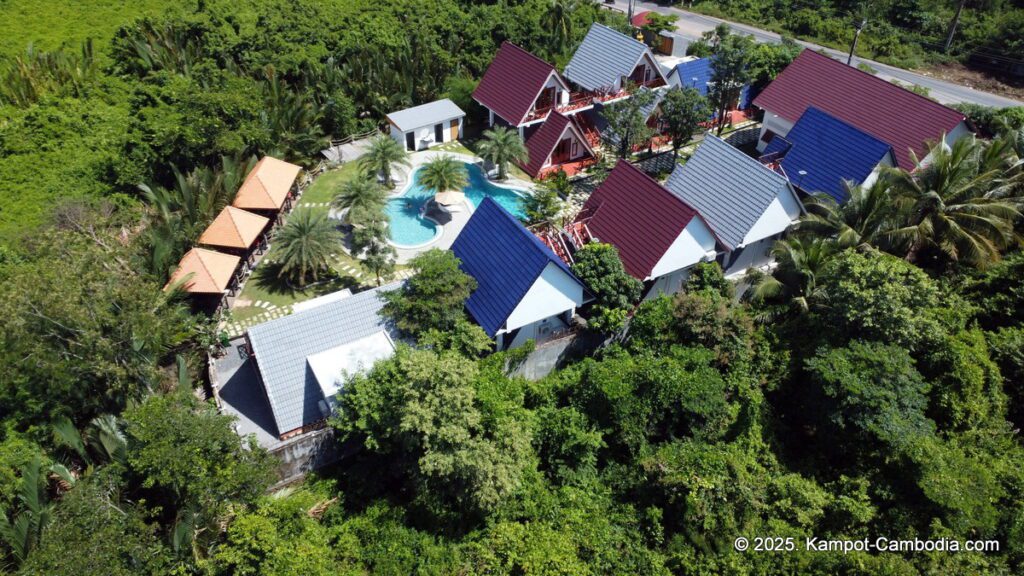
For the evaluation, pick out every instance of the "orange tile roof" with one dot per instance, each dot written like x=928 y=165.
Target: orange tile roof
x=234 y=228
x=267 y=186
x=211 y=271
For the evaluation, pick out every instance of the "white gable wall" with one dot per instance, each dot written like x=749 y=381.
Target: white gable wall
x=776 y=124
x=693 y=245
x=779 y=216
x=553 y=293
x=577 y=149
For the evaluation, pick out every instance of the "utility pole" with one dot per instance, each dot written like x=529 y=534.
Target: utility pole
x=952 y=26
x=629 y=15
x=856 y=36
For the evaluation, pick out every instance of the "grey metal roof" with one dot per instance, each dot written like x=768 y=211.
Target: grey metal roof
x=604 y=56
x=282 y=345
x=728 y=188
x=425 y=115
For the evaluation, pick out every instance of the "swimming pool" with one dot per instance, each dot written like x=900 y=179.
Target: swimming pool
x=408 y=228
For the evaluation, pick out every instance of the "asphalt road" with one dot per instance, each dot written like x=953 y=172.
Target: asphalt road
x=691 y=26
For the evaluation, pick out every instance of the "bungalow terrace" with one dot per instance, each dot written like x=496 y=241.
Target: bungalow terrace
x=747 y=204
x=894 y=115
x=524 y=291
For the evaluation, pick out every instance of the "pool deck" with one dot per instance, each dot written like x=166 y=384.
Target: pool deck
x=451 y=230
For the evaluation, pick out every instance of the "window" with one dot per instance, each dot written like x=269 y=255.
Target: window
x=438 y=132
x=575 y=148
x=768 y=136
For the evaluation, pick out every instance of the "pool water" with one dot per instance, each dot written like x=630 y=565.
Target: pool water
x=408 y=228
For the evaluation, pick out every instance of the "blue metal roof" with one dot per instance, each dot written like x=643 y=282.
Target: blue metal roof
x=504 y=258
x=829 y=151
x=697 y=74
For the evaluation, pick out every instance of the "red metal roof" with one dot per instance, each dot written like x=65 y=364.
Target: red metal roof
x=512 y=82
x=544 y=140
x=634 y=213
x=894 y=115
x=641 y=19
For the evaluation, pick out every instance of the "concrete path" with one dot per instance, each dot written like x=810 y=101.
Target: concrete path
x=691 y=26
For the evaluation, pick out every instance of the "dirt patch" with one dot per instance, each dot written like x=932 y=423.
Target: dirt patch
x=960 y=74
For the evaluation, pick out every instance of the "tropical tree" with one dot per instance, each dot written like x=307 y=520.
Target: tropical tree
x=383 y=154
x=864 y=218
x=615 y=291
x=732 y=70
x=792 y=284
x=557 y=22
x=306 y=244
x=379 y=259
x=546 y=202
x=627 y=122
x=434 y=297
x=359 y=194
x=21 y=532
x=682 y=111
x=952 y=207
x=502 y=145
x=442 y=174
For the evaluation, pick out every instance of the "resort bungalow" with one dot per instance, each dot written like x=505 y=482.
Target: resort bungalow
x=268 y=188
x=748 y=205
x=607 y=60
x=421 y=127
x=822 y=151
x=236 y=231
x=659 y=236
x=903 y=120
x=524 y=291
x=696 y=73
x=559 y=144
x=206 y=273
x=301 y=360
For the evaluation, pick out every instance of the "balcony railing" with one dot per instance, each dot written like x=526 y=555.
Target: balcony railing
x=577 y=100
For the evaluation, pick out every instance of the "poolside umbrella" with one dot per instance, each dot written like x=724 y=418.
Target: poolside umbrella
x=450 y=198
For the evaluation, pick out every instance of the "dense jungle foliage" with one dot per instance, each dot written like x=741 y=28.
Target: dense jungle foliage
x=867 y=390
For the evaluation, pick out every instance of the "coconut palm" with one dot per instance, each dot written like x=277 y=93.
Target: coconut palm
x=383 y=154
x=359 y=193
x=306 y=244
x=503 y=145
x=793 y=283
x=442 y=174
x=863 y=219
x=558 y=24
x=953 y=205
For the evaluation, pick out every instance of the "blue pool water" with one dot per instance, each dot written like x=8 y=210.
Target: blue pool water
x=408 y=228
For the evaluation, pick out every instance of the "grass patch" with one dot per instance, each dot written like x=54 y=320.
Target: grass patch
x=326 y=185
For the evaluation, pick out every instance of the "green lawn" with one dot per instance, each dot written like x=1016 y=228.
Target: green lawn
x=327 y=184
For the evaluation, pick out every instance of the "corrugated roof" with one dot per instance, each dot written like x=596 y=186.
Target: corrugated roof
x=540 y=145
x=728 y=188
x=267 y=185
x=604 y=57
x=234 y=228
x=281 y=347
x=829 y=151
x=425 y=115
x=504 y=258
x=638 y=216
x=894 y=115
x=211 y=270
x=512 y=82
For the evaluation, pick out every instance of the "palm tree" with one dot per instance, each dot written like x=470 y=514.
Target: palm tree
x=953 y=205
x=502 y=145
x=359 y=193
x=864 y=218
x=557 y=22
x=306 y=245
x=793 y=283
x=384 y=153
x=442 y=174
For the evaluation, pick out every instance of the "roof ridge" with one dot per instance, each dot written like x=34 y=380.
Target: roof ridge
x=877 y=79
x=530 y=54
x=658 y=184
x=202 y=263
x=627 y=36
x=234 y=224
x=535 y=242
